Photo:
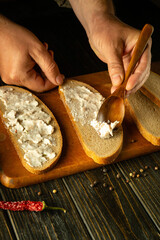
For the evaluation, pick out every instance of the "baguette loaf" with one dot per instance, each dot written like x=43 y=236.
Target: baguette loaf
x=151 y=88
x=32 y=128
x=101 y=150
x=146 y=115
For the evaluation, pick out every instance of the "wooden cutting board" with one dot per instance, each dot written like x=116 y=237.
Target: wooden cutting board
x=73 y=159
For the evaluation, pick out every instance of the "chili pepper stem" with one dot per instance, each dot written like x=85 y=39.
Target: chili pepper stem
x=52 y=208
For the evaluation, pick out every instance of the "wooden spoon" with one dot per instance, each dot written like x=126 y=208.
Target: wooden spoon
x=113 y=108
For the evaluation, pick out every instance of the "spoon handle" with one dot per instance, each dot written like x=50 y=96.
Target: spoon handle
x=139 y=49
x=137 y=53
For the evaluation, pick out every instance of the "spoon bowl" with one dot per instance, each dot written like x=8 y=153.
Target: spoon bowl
x=113 y=108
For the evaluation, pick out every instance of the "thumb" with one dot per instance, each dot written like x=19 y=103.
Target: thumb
x=115 y=66
x=47 y=64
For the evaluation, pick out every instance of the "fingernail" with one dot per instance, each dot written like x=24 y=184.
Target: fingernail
x=113 y=89
x=116 y=80
x=128 y=86
x=59 y=79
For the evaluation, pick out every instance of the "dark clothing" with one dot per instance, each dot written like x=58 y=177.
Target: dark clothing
x=60 y=28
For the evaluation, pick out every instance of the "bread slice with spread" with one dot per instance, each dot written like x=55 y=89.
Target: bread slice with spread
x=32 y=127
x=82 y=103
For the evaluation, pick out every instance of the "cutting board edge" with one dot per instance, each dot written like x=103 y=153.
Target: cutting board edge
x=17 y=182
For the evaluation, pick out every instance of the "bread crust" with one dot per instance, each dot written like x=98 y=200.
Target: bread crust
x=98 y=159
x=50 y=163
x=150 y=95
x=147 y=91
x=151 y=89
x=147 y=135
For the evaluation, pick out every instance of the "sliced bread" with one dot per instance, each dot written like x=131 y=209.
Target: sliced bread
x=32 y=128
x=81 y=109
x=151 y=88
x=146 y=115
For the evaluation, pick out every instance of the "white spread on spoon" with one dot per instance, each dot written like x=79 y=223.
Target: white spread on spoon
x=104 y=130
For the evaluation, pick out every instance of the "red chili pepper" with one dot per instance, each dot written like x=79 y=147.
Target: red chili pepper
x=36 y=206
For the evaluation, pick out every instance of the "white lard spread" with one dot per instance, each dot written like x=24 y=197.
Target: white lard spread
x=104 y=130
x=84 y=105
x=27 y=120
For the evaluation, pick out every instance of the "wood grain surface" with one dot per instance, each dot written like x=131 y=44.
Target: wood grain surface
x=93 y=213
x=73 y=159
x=130 y=211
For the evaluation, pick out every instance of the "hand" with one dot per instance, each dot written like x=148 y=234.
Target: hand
x=20 y=54
x=113 y=42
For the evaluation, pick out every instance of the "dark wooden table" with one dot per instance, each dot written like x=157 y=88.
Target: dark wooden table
x=131 y=210
x=116 y=207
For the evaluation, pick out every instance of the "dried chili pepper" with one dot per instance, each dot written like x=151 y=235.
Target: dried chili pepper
x=36 y=206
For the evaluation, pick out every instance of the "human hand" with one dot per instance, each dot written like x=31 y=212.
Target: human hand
x=20 y=53
x=113 y=42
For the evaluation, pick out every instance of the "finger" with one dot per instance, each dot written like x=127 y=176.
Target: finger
x=46 y=45
x=141 y=72
x=34 y=81
x=115 y=66
x=138 y=84
x=37 y=68
x=47 y=64
x=51 y=53
x=126 y=61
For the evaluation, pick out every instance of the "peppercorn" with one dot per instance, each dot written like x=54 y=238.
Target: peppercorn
x=104 y=185
x=36 y=206
x=104 y=170
x=118 y=175
x=93 y=184
x=133 y=175
x=110 y=188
